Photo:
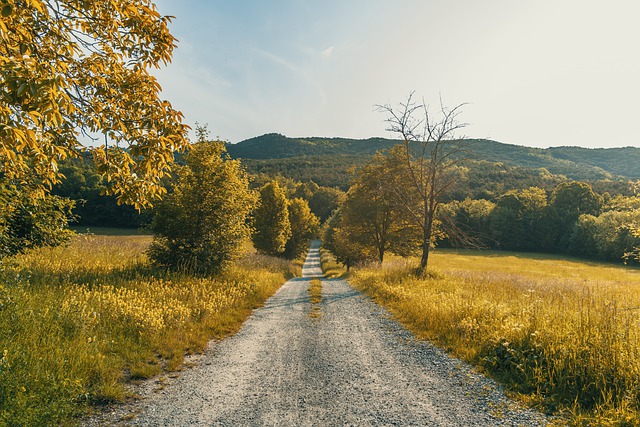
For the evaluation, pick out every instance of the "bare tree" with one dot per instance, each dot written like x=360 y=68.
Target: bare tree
x=431 y=154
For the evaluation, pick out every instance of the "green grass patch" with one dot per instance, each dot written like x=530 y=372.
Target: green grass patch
x=561 y=334
x=78 y=322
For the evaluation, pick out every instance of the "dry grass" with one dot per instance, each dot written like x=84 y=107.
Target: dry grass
x=77 y=322
x=330 y=267
x=562 y=334
x=315 y=296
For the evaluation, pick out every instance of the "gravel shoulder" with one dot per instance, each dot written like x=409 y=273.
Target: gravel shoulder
x=352 y=365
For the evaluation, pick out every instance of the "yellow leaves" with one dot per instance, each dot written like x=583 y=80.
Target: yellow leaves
x=88 y=69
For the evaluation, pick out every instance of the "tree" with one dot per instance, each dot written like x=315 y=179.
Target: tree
x=569 y=200
x=369 y=212
x=324 y=201
x=201 y=225
x=429 y=152
x=470 y=220
x=272 y=225
x=304 y=226
x=72 y=68
x=29 y=221
x=341 y=242
x=517 y=220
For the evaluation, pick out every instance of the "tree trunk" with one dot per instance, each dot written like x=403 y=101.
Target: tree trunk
x=426 y=243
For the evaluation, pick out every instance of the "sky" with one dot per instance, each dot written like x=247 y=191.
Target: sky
x=535 y=73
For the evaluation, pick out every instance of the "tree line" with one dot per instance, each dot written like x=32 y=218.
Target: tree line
x=571 y=219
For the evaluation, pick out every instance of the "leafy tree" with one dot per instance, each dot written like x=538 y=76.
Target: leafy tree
x=272 y=225
x=516 y=219
x=71 y=68
x=201 y=225
x=341 y=242
x=370 y=213
x=29 y=220
x=304 y=226
x=471 y=220
x=324 y=201
x=430 y=158
x=569 y=200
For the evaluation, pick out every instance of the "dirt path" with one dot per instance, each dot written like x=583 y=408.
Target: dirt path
x=351 y=366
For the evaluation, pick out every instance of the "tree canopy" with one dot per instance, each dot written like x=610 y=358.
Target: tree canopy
x=72 y=70
x=202 y=224
x=272 y=225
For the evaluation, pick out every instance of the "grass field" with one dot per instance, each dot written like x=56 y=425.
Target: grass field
x=77 y=322
x=107 y=231
x=561 y=334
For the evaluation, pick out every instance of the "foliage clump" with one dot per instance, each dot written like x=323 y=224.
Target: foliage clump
x=304 y=226
x=70 y=68
x=201 y=225
x=271 y=220
x=30 y=219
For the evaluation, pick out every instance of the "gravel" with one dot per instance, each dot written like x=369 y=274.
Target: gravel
x=352 y=365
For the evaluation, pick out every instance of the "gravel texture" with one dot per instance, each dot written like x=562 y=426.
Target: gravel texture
x=352 y=365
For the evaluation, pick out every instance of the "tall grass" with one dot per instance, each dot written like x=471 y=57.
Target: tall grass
x=77 y=322
x=562 y=334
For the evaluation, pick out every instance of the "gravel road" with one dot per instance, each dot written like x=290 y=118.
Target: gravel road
x=352 y=365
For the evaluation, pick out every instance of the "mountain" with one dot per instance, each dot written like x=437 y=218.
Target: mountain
x=327 y=160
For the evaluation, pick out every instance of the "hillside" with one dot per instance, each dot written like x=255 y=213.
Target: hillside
x=308 y=158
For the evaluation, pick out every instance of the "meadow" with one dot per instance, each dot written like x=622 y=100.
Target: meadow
x=78 y=322
x=563 y=335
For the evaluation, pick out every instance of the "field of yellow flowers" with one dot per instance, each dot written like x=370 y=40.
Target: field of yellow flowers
x=563 y=335
x=77 y=322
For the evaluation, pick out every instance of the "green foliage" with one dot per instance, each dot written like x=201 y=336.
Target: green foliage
x=341 y=242
x=516 y=219
x=31 y=219
x=465 y=221
x=371 y=214
x=304 y=226
x=201 y=225
x=82 y=67
x=86 y=187
x=610 y=236
x=271 y=220
x=328 y=160
x=568 y=201
x=324 y=201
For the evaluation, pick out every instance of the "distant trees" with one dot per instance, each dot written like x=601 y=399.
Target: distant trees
x=271 y=220
x=304 y=226
x=200 y=226
x=282 y=227
x=429 y=156
x=517 y=217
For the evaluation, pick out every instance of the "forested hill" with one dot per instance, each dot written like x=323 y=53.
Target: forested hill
x=274 y=151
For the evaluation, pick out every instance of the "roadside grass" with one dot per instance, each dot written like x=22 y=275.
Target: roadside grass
x=77 y=322
x=330 y=267
x=563 y=335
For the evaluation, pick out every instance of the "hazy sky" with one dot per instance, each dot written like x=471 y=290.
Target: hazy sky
x=537 y=73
